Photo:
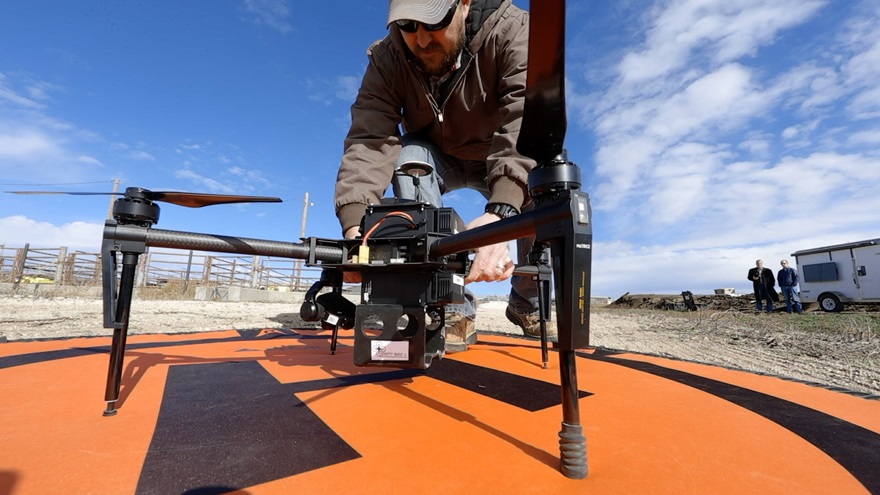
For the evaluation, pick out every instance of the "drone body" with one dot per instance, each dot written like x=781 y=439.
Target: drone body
x=411 y=257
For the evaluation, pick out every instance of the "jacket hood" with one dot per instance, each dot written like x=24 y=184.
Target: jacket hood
x=480 y=16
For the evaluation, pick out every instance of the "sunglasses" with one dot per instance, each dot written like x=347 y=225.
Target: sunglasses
x=413 y=26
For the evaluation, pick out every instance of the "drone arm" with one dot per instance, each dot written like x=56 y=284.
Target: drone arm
x=563 y=223
x=515 y=227
x=221 y=243
x=132 y=240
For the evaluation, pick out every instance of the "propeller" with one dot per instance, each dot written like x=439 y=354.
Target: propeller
x=542 y=133
x=190 y=200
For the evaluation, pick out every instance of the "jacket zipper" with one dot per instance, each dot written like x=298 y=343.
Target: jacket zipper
x=438 y=108
x=458 y=79
x=427 y=91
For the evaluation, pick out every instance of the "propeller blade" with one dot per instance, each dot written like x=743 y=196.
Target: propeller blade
x=190 y=200
x=197 y=200
x=542 y=133
x=71 y=193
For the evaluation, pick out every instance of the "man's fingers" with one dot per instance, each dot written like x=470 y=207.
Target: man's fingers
x=505 y=264
x=491 y=264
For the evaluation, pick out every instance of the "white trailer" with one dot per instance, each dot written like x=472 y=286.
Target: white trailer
x=841 y=274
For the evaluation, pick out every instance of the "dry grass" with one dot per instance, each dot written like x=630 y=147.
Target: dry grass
x=173 y=290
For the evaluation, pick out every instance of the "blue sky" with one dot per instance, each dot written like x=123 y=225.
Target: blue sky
x=709 y=132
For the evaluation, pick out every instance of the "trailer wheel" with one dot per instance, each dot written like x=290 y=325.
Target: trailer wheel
x=830 y=303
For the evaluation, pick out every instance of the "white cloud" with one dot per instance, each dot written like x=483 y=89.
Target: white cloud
x=205 y=184
x=863 y=68
x=24 y=143
x=869 y=137
x=637 y=132
x=190 y=147
x=36 y=145
x=142 y=156
x=721 y=99
x=8 y=95
x=347 y=87
x=272 y=14
x=247 y=174
x=722 y=30
x=329 y=91
x=19 y=230
x=824 y=89
x=860 y=72
x=757 y=144
x=88 y=160
x=866 y=105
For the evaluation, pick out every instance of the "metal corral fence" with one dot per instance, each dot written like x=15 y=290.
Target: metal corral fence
x=157 y=267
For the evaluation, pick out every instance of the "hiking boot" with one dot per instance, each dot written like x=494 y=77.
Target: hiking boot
x=460 y=332
x=531 y=324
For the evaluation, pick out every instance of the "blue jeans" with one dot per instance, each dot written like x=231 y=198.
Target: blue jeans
x=762 y=294
x=449 y=174
x=789 y=292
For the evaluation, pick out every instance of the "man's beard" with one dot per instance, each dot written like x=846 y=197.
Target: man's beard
x=449 y=58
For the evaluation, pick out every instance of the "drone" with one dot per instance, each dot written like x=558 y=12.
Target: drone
x=411 y=257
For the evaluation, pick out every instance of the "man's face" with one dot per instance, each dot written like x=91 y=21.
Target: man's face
x=436 y=51
x=759 y=264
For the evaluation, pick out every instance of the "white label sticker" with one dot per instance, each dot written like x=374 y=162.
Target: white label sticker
x=389 y=350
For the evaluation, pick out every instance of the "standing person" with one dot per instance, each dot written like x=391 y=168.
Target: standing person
x=788 y=280
x=763 y=283
x=444 y=91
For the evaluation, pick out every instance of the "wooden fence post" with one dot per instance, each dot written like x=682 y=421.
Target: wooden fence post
x=255 y=272
x=18 y=267
x=189 y=263
x=206 y=270
x=97 y=274
x=59 y=265
x=143 y=271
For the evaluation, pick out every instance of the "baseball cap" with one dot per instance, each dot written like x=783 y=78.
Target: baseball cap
x=424 y=11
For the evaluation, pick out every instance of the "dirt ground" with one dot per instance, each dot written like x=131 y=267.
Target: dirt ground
x=744 y=302
x=835 y=350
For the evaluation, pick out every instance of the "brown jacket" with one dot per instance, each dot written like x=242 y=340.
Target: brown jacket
x=479 y=120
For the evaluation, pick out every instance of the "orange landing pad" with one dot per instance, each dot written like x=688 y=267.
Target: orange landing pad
x=273 y=412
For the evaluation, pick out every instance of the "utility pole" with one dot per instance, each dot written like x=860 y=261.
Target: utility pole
x=113 y=198
x=306 y=204
x=302 y=234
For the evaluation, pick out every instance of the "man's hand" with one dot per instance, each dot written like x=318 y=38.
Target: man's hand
x=492 y=263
